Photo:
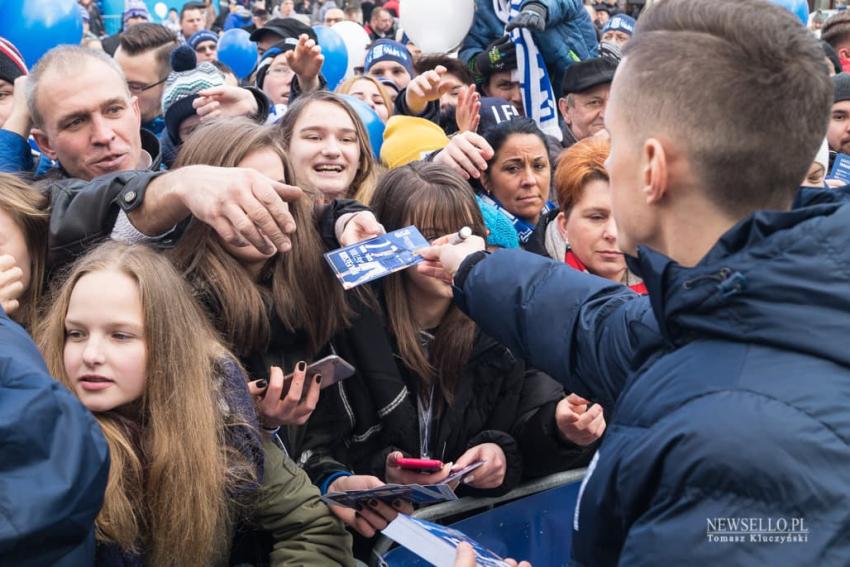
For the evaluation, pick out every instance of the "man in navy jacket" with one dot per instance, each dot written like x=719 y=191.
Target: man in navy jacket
x=728 y=387
x=55 y=462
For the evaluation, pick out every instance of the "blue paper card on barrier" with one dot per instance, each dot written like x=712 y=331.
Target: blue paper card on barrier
x=437 y=544
x=841 y=168
x=377 y=257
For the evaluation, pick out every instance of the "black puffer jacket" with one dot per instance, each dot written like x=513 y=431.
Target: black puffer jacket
x=492 y=405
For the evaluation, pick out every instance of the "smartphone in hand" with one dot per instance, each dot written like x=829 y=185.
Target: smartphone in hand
x=420 y=465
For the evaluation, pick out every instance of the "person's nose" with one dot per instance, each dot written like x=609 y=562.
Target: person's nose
x=93 y=355
x=331 y=147
x=102 y=133
x=610 y=233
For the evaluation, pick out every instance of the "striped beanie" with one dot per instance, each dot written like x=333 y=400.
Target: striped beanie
x=12 y=63
x=185 y=81
x=136 y=10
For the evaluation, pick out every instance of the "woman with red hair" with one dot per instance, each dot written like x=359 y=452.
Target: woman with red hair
x=585 y=220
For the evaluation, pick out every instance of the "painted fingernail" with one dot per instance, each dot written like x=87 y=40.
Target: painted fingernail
x=398 y=504
x=301 y=366
x=373 y=503
x=318 y=378
x=358 y=507
x=262 y=384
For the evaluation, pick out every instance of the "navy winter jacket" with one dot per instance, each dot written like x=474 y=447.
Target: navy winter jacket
x=730 y=389
x=568 y=28
x=54 y=466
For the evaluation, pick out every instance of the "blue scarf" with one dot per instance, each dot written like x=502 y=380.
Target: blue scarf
x=523 y=228
x=537 y=94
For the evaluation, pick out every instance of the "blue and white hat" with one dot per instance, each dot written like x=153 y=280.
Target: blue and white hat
x=622 y=23
x=388 y=50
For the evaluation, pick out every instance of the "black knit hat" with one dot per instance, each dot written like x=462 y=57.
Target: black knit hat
x=584 y=75
x=841 y=87
x=12 y=63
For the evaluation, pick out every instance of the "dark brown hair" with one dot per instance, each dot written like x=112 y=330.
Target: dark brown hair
x=452 y=64
x=729 y=82
x=304 y=293
x=437 y=201
x=144 y=37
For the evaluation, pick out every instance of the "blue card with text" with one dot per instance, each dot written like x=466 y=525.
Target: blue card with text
x=377 y=257
x=841 y=168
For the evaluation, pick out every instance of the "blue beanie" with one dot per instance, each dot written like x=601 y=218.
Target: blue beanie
x=502 y=232
x=388 y=50
x=620 y=22
x=201 y=36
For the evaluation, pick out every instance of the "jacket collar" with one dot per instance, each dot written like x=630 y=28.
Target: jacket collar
x=768 y=277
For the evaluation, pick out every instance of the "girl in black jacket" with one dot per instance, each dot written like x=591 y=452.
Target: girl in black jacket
x=460 y=396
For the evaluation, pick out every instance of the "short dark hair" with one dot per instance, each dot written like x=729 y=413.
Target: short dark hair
x=452 y=64
x=728 y=81
x=836 y=30
x=191 y=6
x=145 y=37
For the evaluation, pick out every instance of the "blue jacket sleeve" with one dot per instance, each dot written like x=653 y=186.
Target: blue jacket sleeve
x=580 y=329
x=15 y=153
x=486 y=27
x=55 y=462
x=561 y=10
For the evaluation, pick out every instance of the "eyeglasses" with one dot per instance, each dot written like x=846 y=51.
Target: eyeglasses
x=137 y=88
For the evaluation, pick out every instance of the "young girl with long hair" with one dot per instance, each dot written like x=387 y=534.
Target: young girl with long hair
x=23 y=248
x=329 y=146
x=125 y=335
x=281 y=311
x=461 y=396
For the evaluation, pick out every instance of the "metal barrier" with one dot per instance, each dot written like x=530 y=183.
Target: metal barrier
x=471 y=504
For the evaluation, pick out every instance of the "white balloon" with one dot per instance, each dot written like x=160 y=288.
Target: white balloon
x=436 y=26
x=160 y=9
x=356 y=40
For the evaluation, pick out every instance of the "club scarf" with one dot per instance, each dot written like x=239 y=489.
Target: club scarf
x=524 y=229
x=537 y=94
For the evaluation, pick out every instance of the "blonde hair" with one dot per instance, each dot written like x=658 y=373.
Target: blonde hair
x=171 y=472
x=304 y=291
x=28 y=209
x=346 y=86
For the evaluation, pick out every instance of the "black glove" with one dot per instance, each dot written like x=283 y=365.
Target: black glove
x=499 y=55
x=532 y=17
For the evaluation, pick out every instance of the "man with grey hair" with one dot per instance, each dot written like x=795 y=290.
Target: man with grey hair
x=84 y=116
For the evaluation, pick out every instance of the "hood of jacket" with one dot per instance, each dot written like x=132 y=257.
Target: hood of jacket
x=780 y=279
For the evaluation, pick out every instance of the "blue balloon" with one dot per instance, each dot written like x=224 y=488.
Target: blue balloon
x=336 y=55
x=372 y=122
x=37 y=26
x=237 y=51
x=799 y=8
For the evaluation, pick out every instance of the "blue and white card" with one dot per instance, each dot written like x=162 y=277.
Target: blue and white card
x=436 y=544
x=377 y=257
x=841 y=168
